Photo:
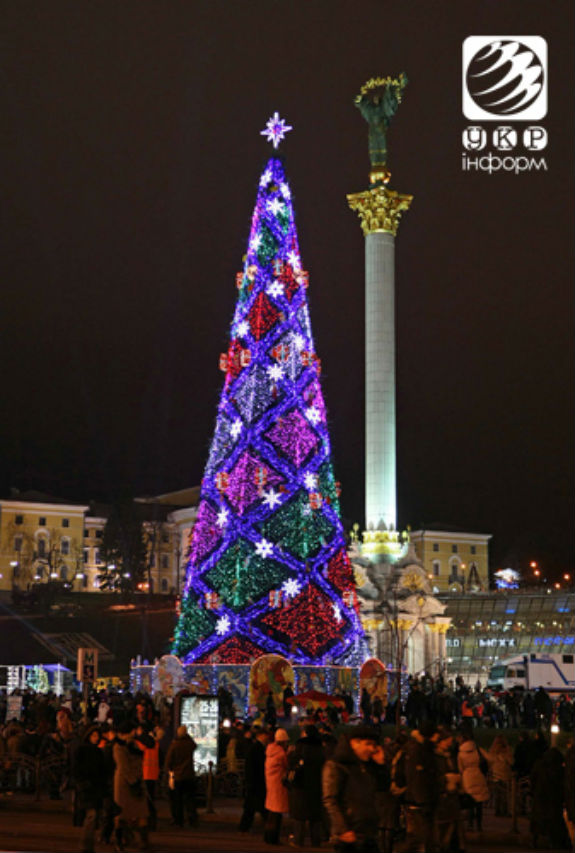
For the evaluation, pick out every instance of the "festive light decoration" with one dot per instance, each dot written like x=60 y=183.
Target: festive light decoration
x=268 y=568
x=275 y=131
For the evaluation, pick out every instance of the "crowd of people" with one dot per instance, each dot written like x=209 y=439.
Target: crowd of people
x=424 y=789
x=317 y=780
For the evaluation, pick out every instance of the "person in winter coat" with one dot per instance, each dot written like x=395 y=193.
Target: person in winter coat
x=473 y=780
x=90 y=778
x=349 y=792
x=151 y=772
x=450 y=831
x=129 y=795
x=387 y=804
x=276 y=792
x=500 y=760
x=180 y=762
x=255 y=780
x=422 y=790
x=548 y=789
x=305 y=764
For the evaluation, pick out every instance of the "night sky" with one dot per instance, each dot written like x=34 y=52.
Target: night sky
x=131 y=158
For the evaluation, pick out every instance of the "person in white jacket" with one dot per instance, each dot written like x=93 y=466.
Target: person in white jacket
x=473 y=779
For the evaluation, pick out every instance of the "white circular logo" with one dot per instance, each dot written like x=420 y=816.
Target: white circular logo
x=505 y=77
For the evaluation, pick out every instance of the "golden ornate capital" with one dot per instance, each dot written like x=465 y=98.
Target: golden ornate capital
x=379 y=209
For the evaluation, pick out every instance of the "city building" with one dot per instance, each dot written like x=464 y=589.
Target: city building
x=44 y=539
x=454 y=560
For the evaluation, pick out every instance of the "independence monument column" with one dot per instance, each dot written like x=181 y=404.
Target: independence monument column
x=380 y=210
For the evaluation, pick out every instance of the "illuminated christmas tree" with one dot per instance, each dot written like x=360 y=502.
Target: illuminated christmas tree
x=268 y=568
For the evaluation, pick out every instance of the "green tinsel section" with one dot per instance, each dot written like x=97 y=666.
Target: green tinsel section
x=268 y=246
x=301 y=531
x=327 y=485
x=284 y=218
x=241 y=577
x=194 y=623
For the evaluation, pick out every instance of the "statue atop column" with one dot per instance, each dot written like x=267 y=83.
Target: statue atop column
x=378 y=102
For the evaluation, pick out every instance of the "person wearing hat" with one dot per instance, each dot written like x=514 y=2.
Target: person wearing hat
x=129 y=794
x=349 y=791
x=422 y=792
x=276 y=768
x=180 y=763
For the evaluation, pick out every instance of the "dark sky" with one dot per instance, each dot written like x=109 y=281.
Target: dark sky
x=131 y=156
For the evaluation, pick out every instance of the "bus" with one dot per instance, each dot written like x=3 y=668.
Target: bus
x=556 y=673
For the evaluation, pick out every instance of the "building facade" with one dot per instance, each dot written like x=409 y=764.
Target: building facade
x=455 y=561
x=43 y=539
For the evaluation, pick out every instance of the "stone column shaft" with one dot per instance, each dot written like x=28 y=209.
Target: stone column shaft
x=380 y=451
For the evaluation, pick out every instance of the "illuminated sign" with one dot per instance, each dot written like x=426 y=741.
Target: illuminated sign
x=199 y=714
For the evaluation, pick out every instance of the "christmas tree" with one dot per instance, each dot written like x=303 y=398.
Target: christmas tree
x=268 y=568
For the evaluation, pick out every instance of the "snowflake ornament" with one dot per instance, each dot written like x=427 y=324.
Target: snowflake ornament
x=275 y=206
x=275 y=129
x=243 y=328
x=313 y=415
x=255 y=242
x=285 y=191
x=294 y=260
x=223 y=516
x=310 y=481
x=266 y=177
x=275 y=372
x=236 y=428
x=337 y=613
x=264 y=548
x=223 y=625
x=272 y=499
x=291 y=587
x=275 y=289
x=299 y=342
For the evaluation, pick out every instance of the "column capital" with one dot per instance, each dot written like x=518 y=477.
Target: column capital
x=379 y=209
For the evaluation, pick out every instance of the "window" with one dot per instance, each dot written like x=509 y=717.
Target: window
x=65 y=547
x=65 y=522
x=164 y=584
x=42 y=522
x=436 y=567
x=473 y=549
x=454 y=549
x=86 y=534
x=64 y=573
x=17 y=543
x=97 y=559
x=165 y=537
x=99 y=534
x=165 y=561
x=152 y=560
x=435 y=546
x=41 y=547
x=86 y=555
x=19 y=519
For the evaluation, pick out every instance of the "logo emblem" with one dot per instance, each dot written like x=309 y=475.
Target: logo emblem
x=505 y=77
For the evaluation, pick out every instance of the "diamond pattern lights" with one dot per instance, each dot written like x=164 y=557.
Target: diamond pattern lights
x=268 y=570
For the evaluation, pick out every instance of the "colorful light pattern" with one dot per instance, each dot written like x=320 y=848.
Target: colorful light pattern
x=268 y=568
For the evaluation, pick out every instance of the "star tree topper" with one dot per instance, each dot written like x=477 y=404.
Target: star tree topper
x=275 y=129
